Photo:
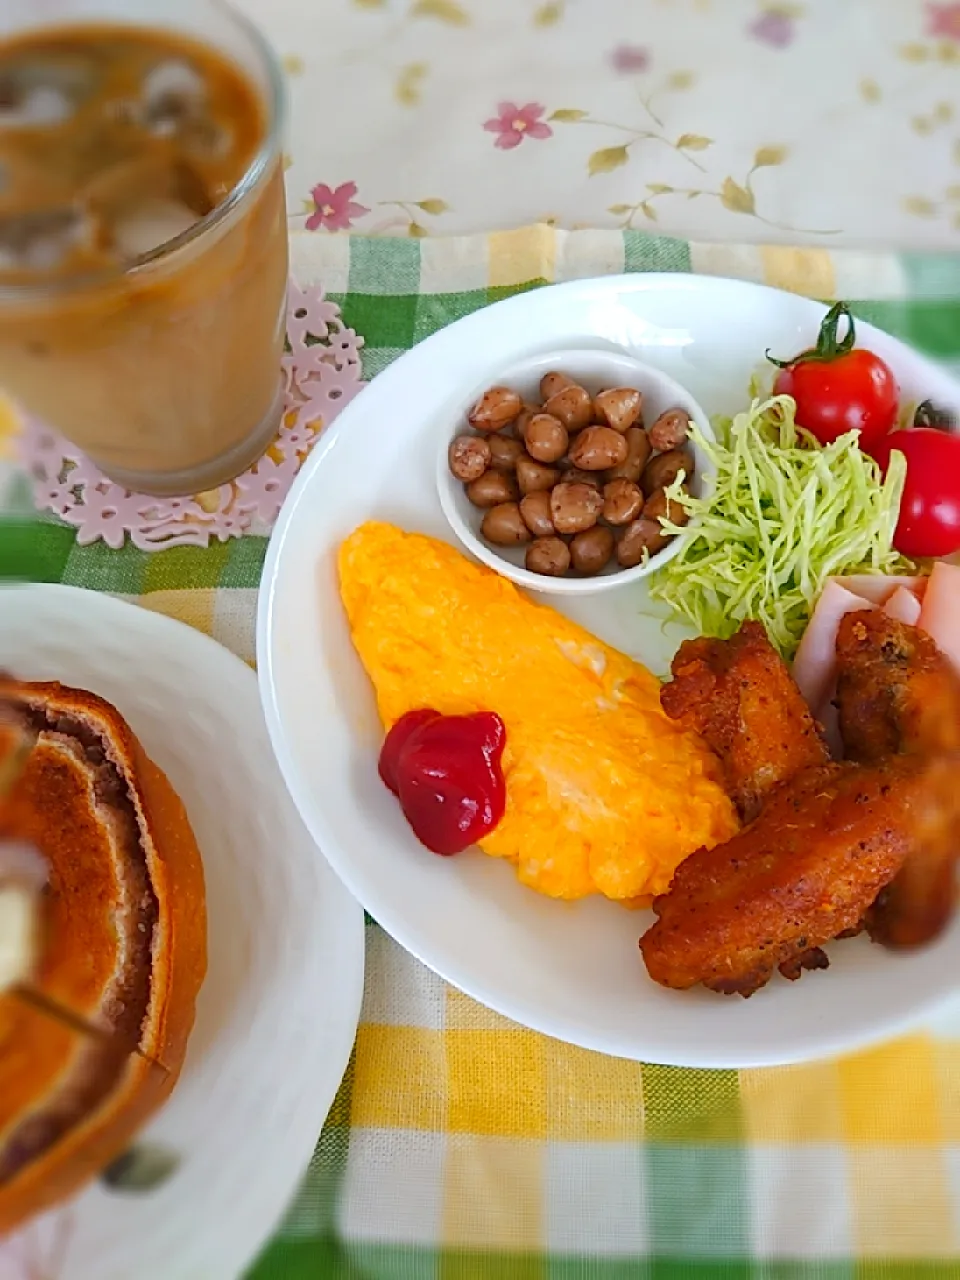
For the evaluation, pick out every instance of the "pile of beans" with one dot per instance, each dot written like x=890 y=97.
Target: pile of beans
x=577 y=478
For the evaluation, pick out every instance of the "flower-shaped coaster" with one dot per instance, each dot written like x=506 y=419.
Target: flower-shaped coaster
x=322 y=373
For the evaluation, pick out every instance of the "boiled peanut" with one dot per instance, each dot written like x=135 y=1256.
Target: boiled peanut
x=572 y=475
x=591 y=550
x=619 y=407
x=526 y=413
x=638 y=452
x=572 y=405
x=469 y=457
x=622 y=501
x=533 y=476
x=640 y=536
x=549 y=556
x=546 y=438
x=535 y=509
x=670 y=430
x=503 y=525
x=662 y=470
x=504 y=453
x=492 y=489
x=495 y=409
x=574 y=507
x=658 y=506
x=598 y=448
x=553 y=382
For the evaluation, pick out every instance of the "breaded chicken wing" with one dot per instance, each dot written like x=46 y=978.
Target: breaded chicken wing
x=804 y=871
x=740 y=697
x=896 y=693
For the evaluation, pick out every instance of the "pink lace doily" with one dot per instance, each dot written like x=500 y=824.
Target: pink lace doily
x=322 y=373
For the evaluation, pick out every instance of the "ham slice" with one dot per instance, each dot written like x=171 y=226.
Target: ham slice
x=879 y=587
x=940 y=614
x=932 y=603
x=903 y=598
x=813 y=667
x=904 y=606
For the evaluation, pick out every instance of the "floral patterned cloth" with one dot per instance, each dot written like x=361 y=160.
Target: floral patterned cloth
x=740 y=120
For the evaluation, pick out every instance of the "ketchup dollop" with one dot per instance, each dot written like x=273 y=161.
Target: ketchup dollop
x=445 y=771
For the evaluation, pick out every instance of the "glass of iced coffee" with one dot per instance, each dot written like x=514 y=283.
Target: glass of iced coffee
x=143 y=237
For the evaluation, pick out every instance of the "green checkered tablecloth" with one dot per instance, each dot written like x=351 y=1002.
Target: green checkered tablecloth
x=462 y=1146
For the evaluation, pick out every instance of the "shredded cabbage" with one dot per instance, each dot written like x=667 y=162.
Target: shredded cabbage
x=780 y=515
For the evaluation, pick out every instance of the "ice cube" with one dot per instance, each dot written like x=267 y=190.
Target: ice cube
x=43 y=239
x=124 y=187
x=172 y=92
x=205 y=138
x=45 y=91
x=35 y=107
x=151 y=224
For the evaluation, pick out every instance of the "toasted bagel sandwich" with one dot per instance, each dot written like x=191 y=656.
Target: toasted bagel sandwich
x=122 y=948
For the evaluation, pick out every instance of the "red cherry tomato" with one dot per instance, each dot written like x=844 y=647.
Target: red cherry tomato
x=929 y=523
x=840 y=388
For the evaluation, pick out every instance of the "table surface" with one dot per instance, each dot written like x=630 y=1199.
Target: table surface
x=817 y=122
x=821 y=124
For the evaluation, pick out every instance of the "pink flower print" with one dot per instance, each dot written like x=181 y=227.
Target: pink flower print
x=261 y=492
x=229 y=524
x=161 y=510
x=346 y=350
x=628 y=58
x=514 y=123
x=944 y=20
x=308 y=312
x=325 y=397
x=334 y=210
x=107 y=512
x=57 y=498
x=298 y=437
x=774 y=28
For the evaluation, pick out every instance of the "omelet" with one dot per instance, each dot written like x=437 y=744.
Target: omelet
x=605 y=794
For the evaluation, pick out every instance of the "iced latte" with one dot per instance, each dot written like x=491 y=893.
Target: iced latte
x=143 y=251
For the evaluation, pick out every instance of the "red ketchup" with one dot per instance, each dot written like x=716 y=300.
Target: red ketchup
x=445 y=771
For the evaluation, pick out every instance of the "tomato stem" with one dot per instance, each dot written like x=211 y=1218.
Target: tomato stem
x=829 y=346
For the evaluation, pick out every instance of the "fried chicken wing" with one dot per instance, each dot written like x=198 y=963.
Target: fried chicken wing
x=825 y=844
x=740 y=697
x=896 y=693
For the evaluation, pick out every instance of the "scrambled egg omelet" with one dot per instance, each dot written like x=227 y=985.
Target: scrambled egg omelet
x=604 y=793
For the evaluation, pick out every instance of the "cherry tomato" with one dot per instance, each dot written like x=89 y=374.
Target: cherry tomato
x=929 y=523
x=840 y=388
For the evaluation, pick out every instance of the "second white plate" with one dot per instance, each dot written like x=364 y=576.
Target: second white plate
x=278 y=1011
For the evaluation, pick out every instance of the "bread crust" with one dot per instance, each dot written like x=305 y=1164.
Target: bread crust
x=177 y=968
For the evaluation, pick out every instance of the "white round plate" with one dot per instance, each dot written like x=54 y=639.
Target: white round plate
x=278 y=1011
x=572 y=971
